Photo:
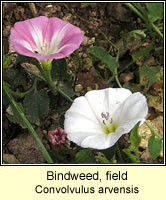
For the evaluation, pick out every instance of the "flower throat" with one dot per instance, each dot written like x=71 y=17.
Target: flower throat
x=109 y=125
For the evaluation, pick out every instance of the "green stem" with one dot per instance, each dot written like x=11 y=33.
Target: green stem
x=116 y=72
x=18 y=94
x=27 y=123
x=50 y=83
x=126 y=66
x=43 y=72
x=134 y=10
x=78 y=57
x=152 y=130
x=65 y=95
x=157 y=30
x=137 y=154
x=22 y=94
x=46 y=72
x=143 y=18
x=117 y=81
x=119 y=153
x=35 y=74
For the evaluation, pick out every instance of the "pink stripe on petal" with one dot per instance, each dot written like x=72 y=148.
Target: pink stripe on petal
x=53 y=28
x=38 y=28
x=72 y=35
x=22 y=50
x=67 y=49
x=57 y=38
x=52 y=38
x=19 y=33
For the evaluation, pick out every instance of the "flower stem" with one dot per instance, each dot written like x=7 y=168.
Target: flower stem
x=134 y=10
x=116 y=70
x=27 y=123
x=78 y=57
x=117 y=81
x=35 y=74
x=21 y=94
x=119 y=153
x=46 y=72
x=50 y=83
x=152 y=130
x=65 y=95
x=143 y=18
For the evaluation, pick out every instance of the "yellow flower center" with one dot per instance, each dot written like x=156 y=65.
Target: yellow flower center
x=109 y=125
x=110 y=128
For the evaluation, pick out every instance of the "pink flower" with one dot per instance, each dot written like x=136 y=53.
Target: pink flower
x=45 y=38
x=57 y=137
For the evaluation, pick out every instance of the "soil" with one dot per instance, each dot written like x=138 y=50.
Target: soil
x=102 y=24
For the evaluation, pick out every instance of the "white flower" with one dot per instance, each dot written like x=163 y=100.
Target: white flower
x=98 y=119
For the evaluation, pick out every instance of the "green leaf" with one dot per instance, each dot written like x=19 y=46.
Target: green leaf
x=149 y=74
x=109 y=153
x=5 y=100
x=105 y=57
x=25 y=59
x=132 y=89
x=85 y=156
x=131 y=156
x=66 y=89
x=142 y=53
x=154 y=146
x=18 y=109
x=14 y=116
x=155 y=11
x=59 y=70
x=103 y=160
x=7 y=60
x=135 y=139
x=36 y=105
x=12 y=113
x=136 y=34
x=15 y=77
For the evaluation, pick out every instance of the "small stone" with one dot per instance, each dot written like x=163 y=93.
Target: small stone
x=85 y=41
x=58 y=8
x=84 y=55
x=101 y=12
x=49 y=6
x=139 y=20
x=78 y=88
x=125 y=77
x=145 y=133
x=157 y=123
x=93 y=14
x=68 y=17
x=25 y=149
x=91 y=41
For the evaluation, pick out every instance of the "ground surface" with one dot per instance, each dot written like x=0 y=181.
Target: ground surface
x=103 y=24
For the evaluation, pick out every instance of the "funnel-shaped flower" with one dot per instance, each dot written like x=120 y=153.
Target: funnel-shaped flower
x=98 y=119
x=45 y=38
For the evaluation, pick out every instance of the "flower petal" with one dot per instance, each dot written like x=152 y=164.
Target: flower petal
x=83 y=122
x=131 y=111
x=54 y=33
x=31 y=31
x=52 y=38
x=80 y=118
x=106 y=100
x=89 y=140
x=95 y=141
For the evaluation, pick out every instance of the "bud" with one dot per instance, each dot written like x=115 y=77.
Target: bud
x=57 y=137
